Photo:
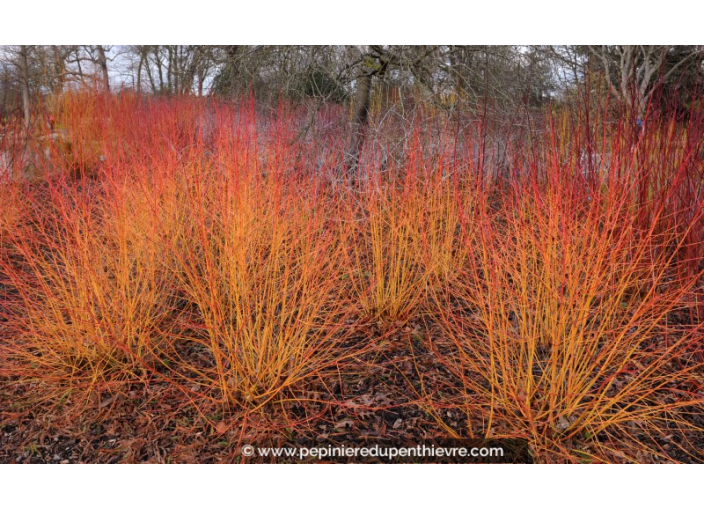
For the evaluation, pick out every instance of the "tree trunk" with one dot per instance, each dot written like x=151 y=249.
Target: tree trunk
x=160 y=67
x=361 y=122
x=24 y=82
x=148 y=67
x=139 y=74
x=170 y=70
x=103 y=64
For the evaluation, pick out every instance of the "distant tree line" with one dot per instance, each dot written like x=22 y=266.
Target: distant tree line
x=506 y=75
x=458 y=78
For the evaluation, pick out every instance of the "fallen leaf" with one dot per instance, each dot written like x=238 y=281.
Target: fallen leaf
x=107 y=401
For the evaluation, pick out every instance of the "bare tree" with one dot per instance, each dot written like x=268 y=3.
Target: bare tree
x=374 y=62
x=632 y=71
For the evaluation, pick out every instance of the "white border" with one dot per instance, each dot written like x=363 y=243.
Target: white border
x=350 y=486
x=353 y=22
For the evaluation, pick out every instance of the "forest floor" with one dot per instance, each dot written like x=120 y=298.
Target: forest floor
x=377 y=398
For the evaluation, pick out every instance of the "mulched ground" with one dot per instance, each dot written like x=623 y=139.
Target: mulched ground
x=153 y=424
x=376 y=398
